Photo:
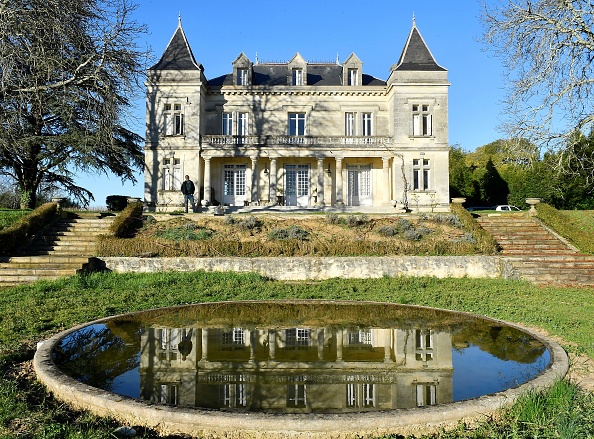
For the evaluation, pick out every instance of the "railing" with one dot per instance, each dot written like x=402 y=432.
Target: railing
x=220 y=140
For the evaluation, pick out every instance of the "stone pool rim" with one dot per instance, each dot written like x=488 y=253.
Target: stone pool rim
x=199 y=422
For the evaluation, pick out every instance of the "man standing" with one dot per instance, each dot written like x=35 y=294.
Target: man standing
x=187 y=188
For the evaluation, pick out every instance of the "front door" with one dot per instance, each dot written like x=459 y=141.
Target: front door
x=297 y=185
x=234 y=185
x=359 y=185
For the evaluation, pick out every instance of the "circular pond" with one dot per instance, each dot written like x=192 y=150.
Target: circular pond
x=297 y=368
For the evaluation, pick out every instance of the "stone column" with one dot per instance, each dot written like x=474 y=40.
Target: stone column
x=254 y=189
x=272 y=344
x=198 y=178
x=253 y=341
x=320 y=188
x=273 y=182
x=320 y=344
x=207 y=180
x=386 y=181
x=338 y=177
x=388 y=346
x=204 y=344
x=339 y=345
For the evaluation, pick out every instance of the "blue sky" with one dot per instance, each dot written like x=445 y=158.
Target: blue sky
x=319 y=30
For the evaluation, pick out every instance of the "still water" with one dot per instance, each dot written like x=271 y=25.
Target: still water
x=301 y=357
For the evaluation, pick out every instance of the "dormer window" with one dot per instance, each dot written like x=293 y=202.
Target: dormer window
x=242 y=77
x=353 y=77
x=297 y=77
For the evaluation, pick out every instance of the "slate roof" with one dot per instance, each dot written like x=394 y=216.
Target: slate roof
x=277 y=74
x=416 y=55
x=178 y=54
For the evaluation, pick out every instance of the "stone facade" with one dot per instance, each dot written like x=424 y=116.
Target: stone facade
x=298 y=133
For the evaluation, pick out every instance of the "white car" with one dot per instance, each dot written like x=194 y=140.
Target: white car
x=506 y=208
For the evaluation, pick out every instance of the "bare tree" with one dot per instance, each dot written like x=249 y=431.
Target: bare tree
x=68 y=72
x=547 y=49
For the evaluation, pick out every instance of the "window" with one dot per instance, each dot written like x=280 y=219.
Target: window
x=296 y=124
x=297 y=393
x=353 y=77
x=172 y=174
x=421 y=174
x=234 y=184
x=242 y=124
x=174 y=120
x=422 y=120
x=349 y=124
x=169 y=394
x=360 y=338
x=297 y=77
x=242 y=77
x=366 y=124
x=233 y=395
x=297 y=338
x=360 y=395
x=423 y=345
x=227 y=129
x=233 y=339
x=426 y=394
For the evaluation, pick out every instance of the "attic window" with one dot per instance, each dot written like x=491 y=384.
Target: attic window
x=353 y=77
x=242 y=77
x=297 y=77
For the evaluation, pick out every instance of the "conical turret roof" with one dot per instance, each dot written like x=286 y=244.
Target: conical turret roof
x=178 y=54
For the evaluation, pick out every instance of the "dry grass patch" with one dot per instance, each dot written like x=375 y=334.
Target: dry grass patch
x=290 y=235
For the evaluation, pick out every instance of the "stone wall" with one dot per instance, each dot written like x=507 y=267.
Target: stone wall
x=310 y=268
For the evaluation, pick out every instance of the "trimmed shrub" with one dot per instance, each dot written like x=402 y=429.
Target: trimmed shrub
x=387 y=231
x=128 y=221
x=485 y=242
x=293 y=232
x=26 y=227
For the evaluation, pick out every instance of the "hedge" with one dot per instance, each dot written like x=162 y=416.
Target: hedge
x=26 y=227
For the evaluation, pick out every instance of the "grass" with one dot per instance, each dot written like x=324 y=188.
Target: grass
x=34 y=312
x=10 y=216
x=576 y=226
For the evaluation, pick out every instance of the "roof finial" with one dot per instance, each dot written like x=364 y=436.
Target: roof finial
x=337 y=60
x=414 y=20
x=179 y=19
x=257 y=58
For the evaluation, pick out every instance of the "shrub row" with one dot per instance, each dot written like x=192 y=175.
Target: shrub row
x=565 y=226
x=26 y=227
x=128 y=222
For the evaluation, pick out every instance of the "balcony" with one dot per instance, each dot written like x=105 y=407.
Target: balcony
x=298 y=141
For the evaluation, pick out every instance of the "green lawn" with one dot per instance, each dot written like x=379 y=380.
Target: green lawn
x=10 y=216
x=31 y=313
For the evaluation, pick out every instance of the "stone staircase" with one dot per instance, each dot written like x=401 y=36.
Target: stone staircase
x=537 y=254
x=61 y=250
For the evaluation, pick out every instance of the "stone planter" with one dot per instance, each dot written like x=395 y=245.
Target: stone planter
x=459 y=200
x=532 y=202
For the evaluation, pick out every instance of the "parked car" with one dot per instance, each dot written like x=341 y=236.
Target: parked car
x=506 y=208
x=475 y=208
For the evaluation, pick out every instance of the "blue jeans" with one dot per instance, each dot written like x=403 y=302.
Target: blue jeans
x=190 y=198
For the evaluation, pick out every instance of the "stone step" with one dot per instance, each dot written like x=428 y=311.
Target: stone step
x=38 y=271
x=45 y=259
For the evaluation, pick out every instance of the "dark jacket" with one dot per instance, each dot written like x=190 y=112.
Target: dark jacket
x=187 y=187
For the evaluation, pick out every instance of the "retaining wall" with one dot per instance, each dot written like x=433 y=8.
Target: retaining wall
x=312 y=268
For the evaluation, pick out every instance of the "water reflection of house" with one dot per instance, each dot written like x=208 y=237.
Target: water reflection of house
x=296 y=369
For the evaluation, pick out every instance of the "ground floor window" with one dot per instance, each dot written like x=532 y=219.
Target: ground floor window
x=421 y=174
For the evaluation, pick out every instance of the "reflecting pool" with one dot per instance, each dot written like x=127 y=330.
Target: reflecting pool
x=300 y=357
